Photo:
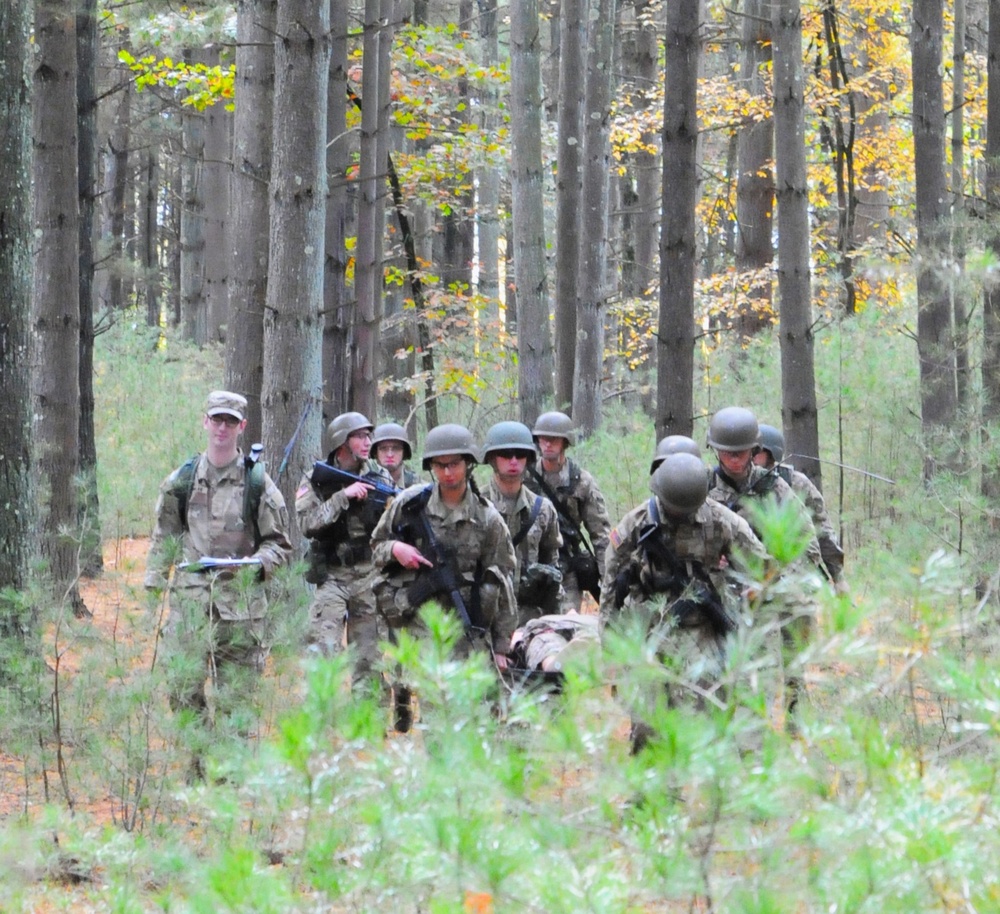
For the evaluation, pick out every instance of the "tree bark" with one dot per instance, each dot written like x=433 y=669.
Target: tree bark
x=252 y=119
x=18 y=503
x=193 y=306
x=675 y=339
x=595 y=240
x=488 y=208
x=293 y=319
x=569 y=192
x=535 y=356
x=935 y=340
x=215 y=184
x=56 y=284
x=798 y=379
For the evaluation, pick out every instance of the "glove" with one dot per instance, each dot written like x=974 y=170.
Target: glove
x=539 y=584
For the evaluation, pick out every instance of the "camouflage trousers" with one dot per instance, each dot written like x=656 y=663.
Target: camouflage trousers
x=347 y=605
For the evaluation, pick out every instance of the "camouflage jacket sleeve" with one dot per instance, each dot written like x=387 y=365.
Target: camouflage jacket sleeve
x=498 y=559
x=383 y=537
x=785 y=493
x=168 y=524
x=812 y=498
x=316 y=514
x=622 y=542
x=551 y=539
x=275 y=547
x=594 y=516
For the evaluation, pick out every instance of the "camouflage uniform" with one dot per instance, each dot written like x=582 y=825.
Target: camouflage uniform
x=705 y=538
x=583 y=503
x=236 y=616
x=341 y=530
x=549 y=636
x=540 y=545
x=478 y=544
x=812 y=498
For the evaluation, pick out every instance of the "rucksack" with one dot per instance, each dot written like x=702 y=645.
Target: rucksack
x=253 y=491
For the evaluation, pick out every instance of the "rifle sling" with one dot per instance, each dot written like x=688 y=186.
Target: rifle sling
x=561 y=509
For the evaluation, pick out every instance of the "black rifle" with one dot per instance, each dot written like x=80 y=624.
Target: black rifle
x=329 y=479
x=578 y=551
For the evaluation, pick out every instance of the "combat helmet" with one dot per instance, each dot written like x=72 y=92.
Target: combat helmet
x=509 y=436
x=771 y=439
x=449 y=439
x=680 y=483
x=392 y=431
x=674 y=444
x=555 y=425
x=345 y=425
x=733 y=429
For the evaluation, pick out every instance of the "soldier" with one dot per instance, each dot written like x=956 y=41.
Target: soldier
x=579 y=504
x=542 y=645
x=672 y=557
x=768 y=454
x=530 y=518
x=339 y=520
x=447 y=543
x=392 y=449
x=739 y=483
x=219 y=505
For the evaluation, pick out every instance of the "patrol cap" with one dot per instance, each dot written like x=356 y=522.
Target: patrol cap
x=226 y=403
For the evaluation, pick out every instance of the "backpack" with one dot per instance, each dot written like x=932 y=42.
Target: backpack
x=253 y=491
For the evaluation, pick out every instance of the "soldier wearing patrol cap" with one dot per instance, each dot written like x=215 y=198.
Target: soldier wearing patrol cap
x=219 y=505
x=339 y=520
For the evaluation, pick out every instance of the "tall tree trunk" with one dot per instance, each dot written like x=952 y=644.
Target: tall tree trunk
x=18 y=503
x=149 y=236
x=368 y=262
x=755 y=183
x=798 y=379
x=935 y=340
x=56 y=309
x=675 y=340
x=962 y=369
x=338 y=311
x=595 y=241
x=646 y=224
x=293 y=317
x=569 y=192
x=255 y=24
x=535 y=357
x=990 y=483
x=193 y=307
x=216 y=181
x=109 y=283
x=488 y=208
x=91 y=556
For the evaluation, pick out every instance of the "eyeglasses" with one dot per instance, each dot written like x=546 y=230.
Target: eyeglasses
x=445 y=467
x=225 y=419
x=510 y=455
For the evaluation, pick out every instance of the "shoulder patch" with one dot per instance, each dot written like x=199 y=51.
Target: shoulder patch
x=303 y=490
x=616 y=538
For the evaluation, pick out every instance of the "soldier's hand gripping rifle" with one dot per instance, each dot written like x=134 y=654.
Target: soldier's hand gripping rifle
x=328 y=479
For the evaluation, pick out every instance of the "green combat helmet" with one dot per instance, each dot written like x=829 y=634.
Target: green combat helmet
x=449 y=439
x=680 y=483
x=772 y=441
x=509 y=436
x=392 y=431
x=674 y=444
x=733 y=429
x=345 y=425
x=555 y=425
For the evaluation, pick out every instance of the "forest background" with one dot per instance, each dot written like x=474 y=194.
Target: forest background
x=786 y=207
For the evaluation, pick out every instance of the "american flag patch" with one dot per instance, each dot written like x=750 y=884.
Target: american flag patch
x=303 y=490
x=616 y=538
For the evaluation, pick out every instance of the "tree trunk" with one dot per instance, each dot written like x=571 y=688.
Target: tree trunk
x=338 y=310
x=534 y=348
x=215 y=184
x=755 y=183
x=193 y=307
x=647 y=161
x=569 y=192
x=488 y=208
x=594 y=242
x=368 y=262
x=18 y=503
x=255 y=23
x=675 y=340
x=798 y=380
x=91 y=555
x=293 y=318
x=962 y=369
x=56 y=308
x=935 y=342
x=991 y=297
